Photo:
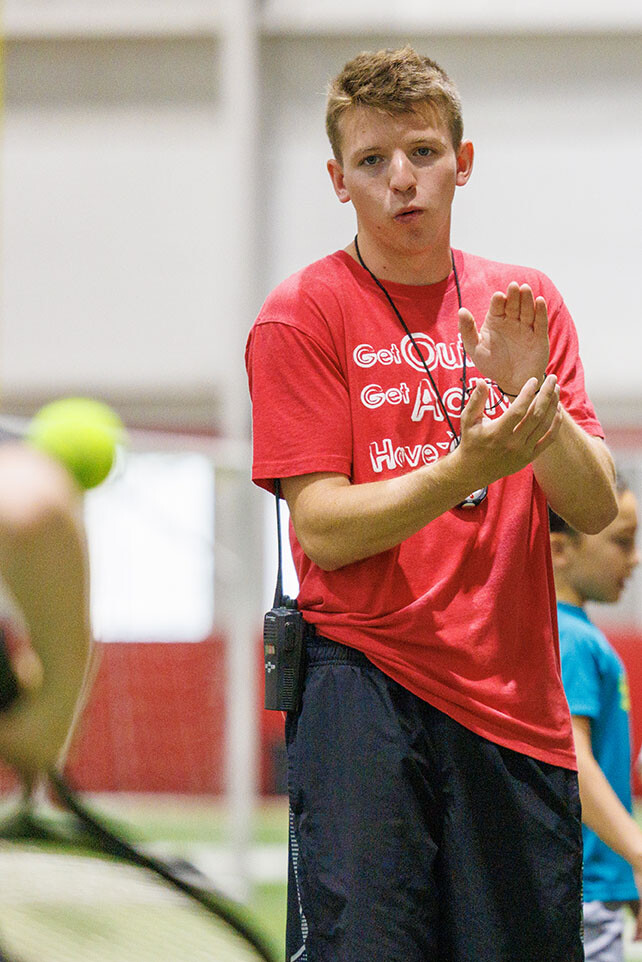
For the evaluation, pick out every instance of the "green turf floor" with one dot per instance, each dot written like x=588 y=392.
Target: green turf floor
x=194 y=830
x=183 y=825
x=268 y=905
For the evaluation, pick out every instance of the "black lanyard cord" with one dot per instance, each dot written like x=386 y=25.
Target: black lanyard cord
x=279 y=598
x=414 y=342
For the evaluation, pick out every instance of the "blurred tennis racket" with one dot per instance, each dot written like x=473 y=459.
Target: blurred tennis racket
x=74 y=889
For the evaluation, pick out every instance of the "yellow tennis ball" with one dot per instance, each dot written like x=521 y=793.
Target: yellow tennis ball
x=81 y=433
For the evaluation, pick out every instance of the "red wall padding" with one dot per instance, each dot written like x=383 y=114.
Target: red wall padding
x=628 y=645
x=154 y=721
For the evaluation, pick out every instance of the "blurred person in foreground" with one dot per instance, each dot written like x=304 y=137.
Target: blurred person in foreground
x=595 y=568
x=421 y=407
x=43 y=564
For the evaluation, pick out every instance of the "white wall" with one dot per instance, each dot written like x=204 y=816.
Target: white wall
x=116 y=196
x=556 y=124
x=495 y=16
x=128 y=213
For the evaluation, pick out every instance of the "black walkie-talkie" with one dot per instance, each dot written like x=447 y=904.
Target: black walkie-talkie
x=283 y=640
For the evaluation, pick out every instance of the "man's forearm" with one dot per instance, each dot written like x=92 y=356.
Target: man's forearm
x=577 y=475
x=338 y=523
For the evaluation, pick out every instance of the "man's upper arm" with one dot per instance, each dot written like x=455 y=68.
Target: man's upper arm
x=309 y=499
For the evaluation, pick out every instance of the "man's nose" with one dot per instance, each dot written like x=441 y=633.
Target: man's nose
x=401 y=172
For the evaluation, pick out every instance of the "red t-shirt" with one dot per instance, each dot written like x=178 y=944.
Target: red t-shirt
x=463 y=612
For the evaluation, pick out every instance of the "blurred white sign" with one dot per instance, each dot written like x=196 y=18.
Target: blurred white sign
x=151 y=535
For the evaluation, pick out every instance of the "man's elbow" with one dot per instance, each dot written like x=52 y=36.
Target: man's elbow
x=324 y=545
x=594 y=517
x=324 y=553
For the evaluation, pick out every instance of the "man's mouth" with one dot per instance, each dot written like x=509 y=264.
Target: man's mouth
x=409 y=214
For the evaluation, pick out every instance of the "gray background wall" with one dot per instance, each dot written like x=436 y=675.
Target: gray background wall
x=163 y=168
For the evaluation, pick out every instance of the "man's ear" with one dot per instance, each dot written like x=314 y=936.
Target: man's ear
x=465 y=157
x=338 y=182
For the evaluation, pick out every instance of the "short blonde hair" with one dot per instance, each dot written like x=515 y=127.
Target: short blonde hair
x=395 y=82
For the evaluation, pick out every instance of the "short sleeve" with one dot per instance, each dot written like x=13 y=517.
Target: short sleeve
x=300 y=405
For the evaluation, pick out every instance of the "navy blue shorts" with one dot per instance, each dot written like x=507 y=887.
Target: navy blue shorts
x=412 y=839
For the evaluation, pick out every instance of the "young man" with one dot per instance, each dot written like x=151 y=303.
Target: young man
x=43 y=563
x=596 y=568
x=434 y=805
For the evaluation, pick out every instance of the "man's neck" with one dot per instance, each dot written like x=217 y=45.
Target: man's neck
x=428 y=266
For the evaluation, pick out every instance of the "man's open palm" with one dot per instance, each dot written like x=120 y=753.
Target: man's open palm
x=512 y=344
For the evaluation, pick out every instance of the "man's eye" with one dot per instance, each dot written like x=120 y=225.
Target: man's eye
x=625 y=544
x=370 y=160
x=424 y=151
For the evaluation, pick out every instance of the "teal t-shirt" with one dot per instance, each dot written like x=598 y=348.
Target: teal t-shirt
x=596 y=686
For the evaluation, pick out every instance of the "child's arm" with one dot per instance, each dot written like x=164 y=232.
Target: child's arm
x=602 y=810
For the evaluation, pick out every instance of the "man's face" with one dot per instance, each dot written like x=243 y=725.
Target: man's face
x=400 y=173
x=601 y=564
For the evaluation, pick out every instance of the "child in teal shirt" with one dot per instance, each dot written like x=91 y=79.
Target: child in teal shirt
x=595 y=568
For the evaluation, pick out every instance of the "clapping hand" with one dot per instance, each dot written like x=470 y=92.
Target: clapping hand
x=512 y=344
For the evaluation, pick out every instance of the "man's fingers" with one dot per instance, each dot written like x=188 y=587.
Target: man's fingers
x=468 y=331
x=514 y=439
x=540 y=322
x=528 y=408
x=513 y=301
x=474 y=409
x=522 y=403
x=550 y=435
x=541 y=412
x=498 y=304
x=548 y=391
x=526 y=305
x=518 y=304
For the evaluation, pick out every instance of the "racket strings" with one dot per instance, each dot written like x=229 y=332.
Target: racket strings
x=62 y=907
